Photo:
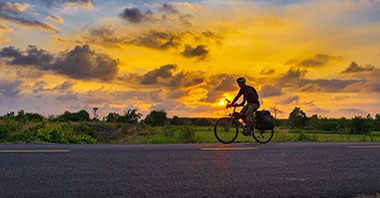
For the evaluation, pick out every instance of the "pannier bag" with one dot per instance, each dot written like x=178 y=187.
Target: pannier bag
x=265 y=120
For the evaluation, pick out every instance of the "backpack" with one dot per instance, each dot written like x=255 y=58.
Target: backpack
x=265 y=120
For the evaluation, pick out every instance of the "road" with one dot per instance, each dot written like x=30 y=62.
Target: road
x=191 y=170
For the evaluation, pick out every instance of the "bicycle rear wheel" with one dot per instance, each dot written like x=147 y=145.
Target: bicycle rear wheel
x=226 y=130
x=262 y=136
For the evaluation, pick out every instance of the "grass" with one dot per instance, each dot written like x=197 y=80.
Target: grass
x=93 y=132
x=206 y=135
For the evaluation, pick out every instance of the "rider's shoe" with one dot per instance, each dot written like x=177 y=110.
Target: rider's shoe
x=246 y=132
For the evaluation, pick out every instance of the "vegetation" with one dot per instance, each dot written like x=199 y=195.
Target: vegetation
x=129 y=127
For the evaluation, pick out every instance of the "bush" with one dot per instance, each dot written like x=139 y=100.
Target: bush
x=7 y=128
x=304 y=137
x=360 y=125
x=186 y=135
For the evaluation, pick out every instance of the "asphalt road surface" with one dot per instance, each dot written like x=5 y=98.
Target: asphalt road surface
x=191 y=170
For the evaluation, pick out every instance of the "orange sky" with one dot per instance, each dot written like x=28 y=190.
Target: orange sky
x=184 y=57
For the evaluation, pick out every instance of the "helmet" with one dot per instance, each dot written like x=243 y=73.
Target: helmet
x=241 y=80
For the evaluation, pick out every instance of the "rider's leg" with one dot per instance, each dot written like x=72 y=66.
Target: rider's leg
x=249 y=113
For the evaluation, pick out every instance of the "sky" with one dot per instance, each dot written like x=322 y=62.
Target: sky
x=184 y=56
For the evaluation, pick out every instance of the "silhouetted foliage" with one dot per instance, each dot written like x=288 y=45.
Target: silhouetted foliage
x=377 y=122
x=131 y=116
x=156 y=118
x=360 y=125
x=79 y=116
x=297 y=119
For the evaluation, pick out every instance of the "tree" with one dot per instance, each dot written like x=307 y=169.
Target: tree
x=79 y=116
x=112 y=117
x=156 y=118
x=377 y=122
x=276 y=111
x=131 y=116
x=360 y=125
x=297 y=118
x=176 y=121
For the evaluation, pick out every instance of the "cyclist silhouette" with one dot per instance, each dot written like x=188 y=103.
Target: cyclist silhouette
x=252 y=98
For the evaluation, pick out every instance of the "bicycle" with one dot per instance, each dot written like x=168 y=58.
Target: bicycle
x=226 y=129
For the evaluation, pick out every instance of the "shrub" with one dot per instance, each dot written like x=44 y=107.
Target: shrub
x=186 y=135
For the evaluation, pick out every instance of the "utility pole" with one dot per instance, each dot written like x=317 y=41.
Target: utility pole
x=95 y=113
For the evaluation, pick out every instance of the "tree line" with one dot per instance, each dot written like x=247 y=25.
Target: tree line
x=297 y=120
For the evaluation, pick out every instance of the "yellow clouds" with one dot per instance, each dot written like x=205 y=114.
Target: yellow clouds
x=56 y=19
x=2 y=30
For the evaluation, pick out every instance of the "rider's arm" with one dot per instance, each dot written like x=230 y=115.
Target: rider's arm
x=237 y=97
x=242 y=103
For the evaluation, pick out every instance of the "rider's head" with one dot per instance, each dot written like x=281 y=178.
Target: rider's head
x=241 y=82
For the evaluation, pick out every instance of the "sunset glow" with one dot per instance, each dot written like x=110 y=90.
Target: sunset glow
x=184 y=56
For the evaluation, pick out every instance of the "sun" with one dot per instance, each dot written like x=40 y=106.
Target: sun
x=222 y=102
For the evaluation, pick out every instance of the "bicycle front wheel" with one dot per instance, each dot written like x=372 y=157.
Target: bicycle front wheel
x=226 y=130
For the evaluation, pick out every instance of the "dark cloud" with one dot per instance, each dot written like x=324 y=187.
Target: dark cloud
x=290 y=100
x=295 y=78
x=311 y=87
x=79 y=63
x=31 y=73
x=10 y=13
x=199 y=51
x=218 y=85
x=105 y=36
x=333 y=85
x=165 y=76
x=158 y=39
x=267 y=71
x=10 y=89
x=40 y=87
x=317 y=61
x=317 y=110
x=67 y=96
x=355 y=68
x=269 y=91
x=164 y=72
x=352 y=111
x=134 y=15
x=80 y=3
x=168 y=8
x=175 y=94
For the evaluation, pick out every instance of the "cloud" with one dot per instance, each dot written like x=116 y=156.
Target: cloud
x=6 y=7
x=267 y=71
x=218 y=85
x=355 y=68
x=67 y=96
x=40 y=87
x=168 y=8
x=290 y=100
x=269 y=91
x=317 y=110
x=158 y=39
x=9 y=13
x=165 y=76
x=79 y=63
x=104 y=36
x=318 y=60
x=153 y=77
x=70 y=3
x=56 y=19
x=4 y=29
x=10 y=89
x=134 y=15
x=352 y=111
x=199 y=51
x=295 y=79
x=311 y=87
